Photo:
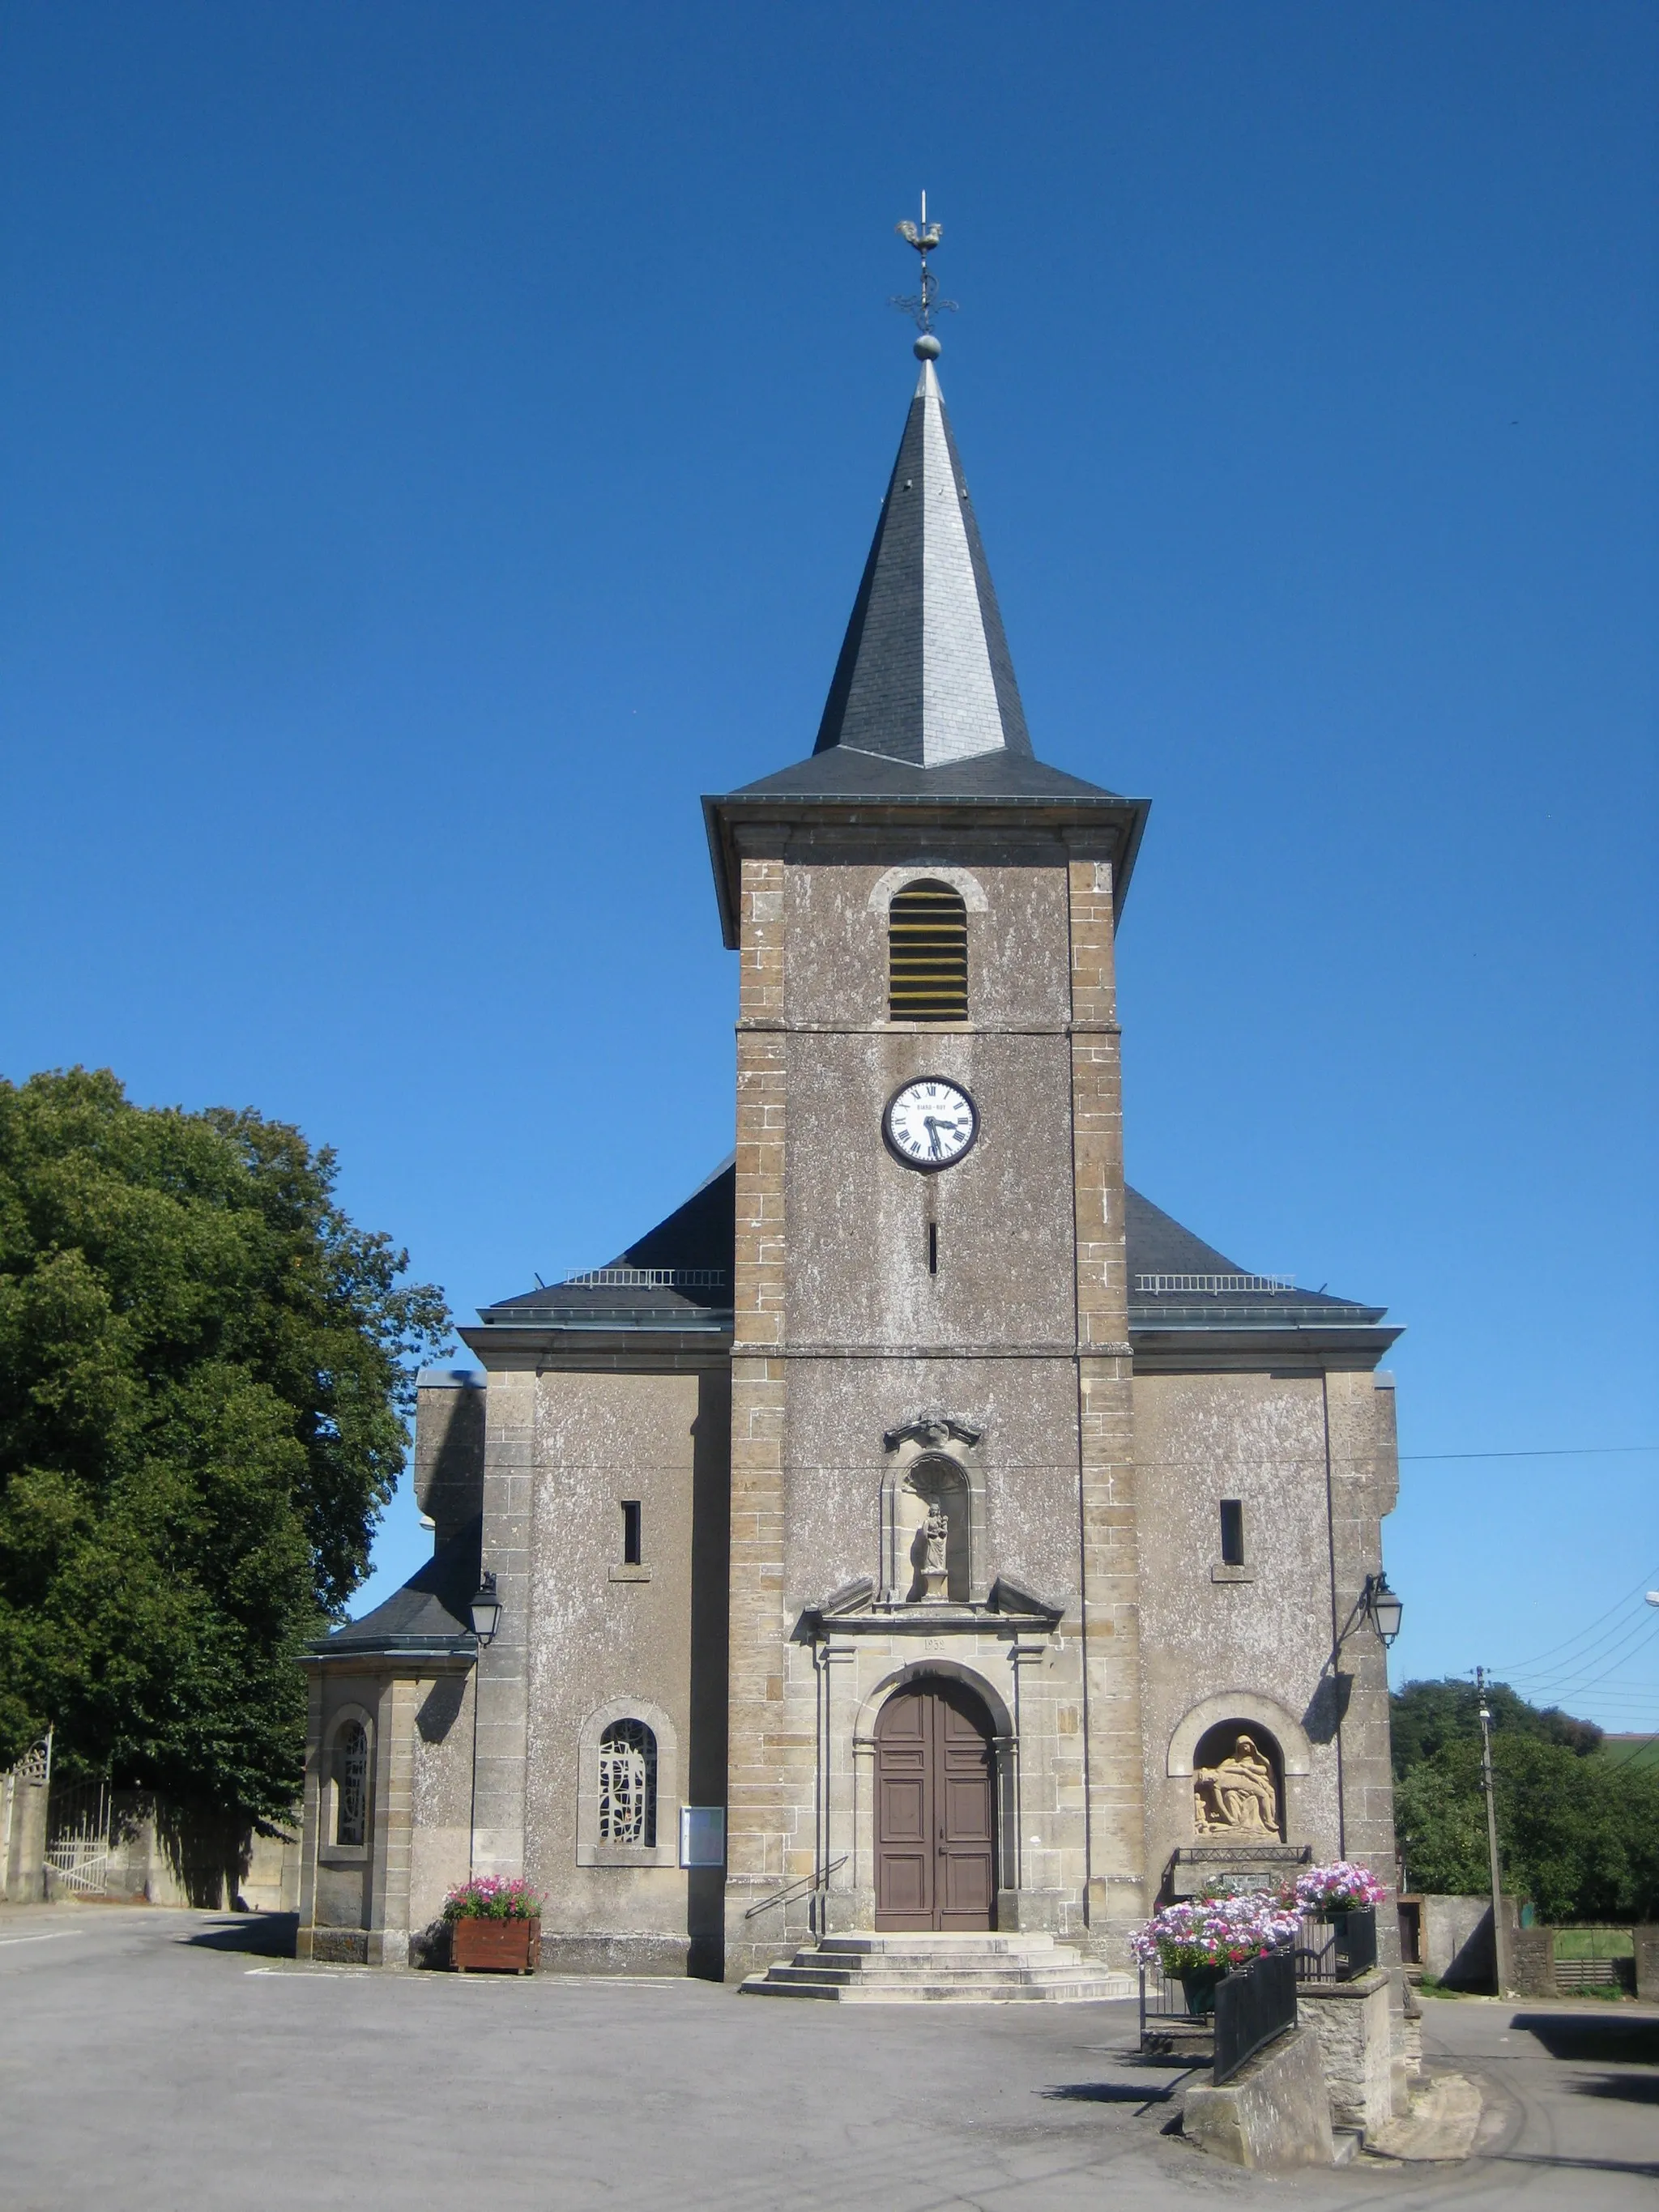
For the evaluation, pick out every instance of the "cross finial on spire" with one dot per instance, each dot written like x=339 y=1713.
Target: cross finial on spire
x=925 y=305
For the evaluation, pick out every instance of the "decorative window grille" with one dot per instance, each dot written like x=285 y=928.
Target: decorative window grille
x=927 y=955
x=627 y=1784
x=351 y=1784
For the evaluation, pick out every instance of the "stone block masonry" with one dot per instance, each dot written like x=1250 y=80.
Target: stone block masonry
x=1355 y=2036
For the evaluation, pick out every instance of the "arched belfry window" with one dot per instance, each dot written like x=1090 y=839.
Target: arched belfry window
x=351 y=1784
x=627 y=1784
x=927 y=954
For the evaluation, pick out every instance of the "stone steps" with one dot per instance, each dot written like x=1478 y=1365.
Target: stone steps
x=941 y=1969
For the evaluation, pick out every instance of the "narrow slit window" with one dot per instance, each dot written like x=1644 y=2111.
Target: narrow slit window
x=1232 y=1532
x=927 y=955
x=932 y=1248
x=352 y=1785
x=632 y=1540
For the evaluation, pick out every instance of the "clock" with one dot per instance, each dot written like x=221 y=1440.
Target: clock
x=930 y=1124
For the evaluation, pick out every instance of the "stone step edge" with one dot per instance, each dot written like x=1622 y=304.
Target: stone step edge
x=944 y=1939
x=797 y=1978
x=925 y=1993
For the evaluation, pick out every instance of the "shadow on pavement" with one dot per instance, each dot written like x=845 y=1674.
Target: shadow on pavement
x=260 y=1934
x=1645 y=2168
x=1110 y=2093
x=1591 y=2041
x=1636 y=2088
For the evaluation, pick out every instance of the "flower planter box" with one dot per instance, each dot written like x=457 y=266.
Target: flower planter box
x=495 y=1947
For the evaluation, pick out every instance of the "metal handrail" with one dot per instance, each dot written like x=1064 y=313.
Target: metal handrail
x=799 y=1888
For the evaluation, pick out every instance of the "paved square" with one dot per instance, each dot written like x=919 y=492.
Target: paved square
x=152 y=2060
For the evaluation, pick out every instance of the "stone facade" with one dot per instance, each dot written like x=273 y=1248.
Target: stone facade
x=702 y=1477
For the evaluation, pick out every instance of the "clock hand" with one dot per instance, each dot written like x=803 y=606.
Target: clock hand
x=932 y=1127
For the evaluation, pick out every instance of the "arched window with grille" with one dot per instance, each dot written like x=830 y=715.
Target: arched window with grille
x=927 y=954
x=351 y=1784
x=627 y=1784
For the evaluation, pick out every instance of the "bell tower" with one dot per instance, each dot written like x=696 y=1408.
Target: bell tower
x=933 y=1584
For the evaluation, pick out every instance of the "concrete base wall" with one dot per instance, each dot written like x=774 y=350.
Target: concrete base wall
x=1355 y=2034
x=1273 y=2113
x=1457 y=1947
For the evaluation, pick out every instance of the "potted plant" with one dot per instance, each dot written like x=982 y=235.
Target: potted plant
x=1345 y=1896
x=1199 y=1942
x=1323 y=1892
x=495 y=1926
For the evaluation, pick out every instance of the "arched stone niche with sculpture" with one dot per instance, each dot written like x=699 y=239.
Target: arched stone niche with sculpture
x=1240 y=1757
x=933 y=1513
x=1238 y=1786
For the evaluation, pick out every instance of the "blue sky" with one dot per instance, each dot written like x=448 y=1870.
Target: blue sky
x=440 y=442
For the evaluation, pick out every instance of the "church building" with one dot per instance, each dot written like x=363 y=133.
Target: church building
x=919 y=1531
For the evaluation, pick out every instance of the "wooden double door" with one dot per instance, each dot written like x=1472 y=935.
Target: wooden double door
x=935 y=1809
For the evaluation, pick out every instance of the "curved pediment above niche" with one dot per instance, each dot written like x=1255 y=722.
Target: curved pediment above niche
x=935 y=1431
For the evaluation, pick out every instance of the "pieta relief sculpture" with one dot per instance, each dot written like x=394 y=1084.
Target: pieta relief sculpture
x=1238 y=1796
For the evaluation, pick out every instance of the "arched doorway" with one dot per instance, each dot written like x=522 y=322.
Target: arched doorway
x=935 y=1808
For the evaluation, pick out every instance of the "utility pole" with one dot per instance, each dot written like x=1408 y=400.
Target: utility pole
x=1500 y=1933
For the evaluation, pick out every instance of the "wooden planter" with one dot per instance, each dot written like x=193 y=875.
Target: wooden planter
x=495 y=1947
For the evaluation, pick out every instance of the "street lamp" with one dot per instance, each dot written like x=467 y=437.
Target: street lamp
x=1384 y=1606
x=486 y=1610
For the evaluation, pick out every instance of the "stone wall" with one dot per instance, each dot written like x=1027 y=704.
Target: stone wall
x=1356 y=2046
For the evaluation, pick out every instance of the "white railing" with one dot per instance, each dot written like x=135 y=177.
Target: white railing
x=645 y=1278
x=1216 y=1286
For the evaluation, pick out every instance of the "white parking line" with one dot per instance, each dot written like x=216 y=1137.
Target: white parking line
x=6 y=1942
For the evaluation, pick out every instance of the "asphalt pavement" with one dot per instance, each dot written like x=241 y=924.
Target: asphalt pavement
x=163 y=2062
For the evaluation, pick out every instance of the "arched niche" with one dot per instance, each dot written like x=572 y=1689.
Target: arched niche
x=1238 y=1784
x=934 y=1462
x=933 y=1482
x=1247 y=1707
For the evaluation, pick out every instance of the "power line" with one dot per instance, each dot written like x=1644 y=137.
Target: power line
x=1568 y=1642
x=1574 y=1686
x=1554 y=1451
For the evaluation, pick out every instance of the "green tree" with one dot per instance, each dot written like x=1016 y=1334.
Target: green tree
x=1426 y=1716
x=204 y=1368
x=1578 y=1835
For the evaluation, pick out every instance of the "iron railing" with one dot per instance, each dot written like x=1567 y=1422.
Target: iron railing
x=1254 y=2005
x=815 y=1887
x=1339 y=1949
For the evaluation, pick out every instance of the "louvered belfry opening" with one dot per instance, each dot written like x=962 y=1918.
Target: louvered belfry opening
x=927 y=954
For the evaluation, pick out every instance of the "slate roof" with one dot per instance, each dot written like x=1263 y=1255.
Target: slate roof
x=676 y=1276
x=924 y=708
x=431 y=1614
x=924 y=674
x=1176 y=1281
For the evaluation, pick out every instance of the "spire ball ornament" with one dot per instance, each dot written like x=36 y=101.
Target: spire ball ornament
x=927 y=347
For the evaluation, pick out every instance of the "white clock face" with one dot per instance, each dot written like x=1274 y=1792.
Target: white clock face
x=931 y=1122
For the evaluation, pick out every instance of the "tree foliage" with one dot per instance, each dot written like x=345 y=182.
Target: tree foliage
x=1426 y=1717
x=204 y=1368
x=1578 y=1835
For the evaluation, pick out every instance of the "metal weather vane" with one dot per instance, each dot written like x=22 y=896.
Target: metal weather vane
x=923 y=306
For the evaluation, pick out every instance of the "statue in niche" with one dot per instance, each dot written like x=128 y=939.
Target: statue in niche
x=1236 y=1796
x=935 y=1571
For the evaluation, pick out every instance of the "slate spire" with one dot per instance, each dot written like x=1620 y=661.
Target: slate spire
x=924 y=674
